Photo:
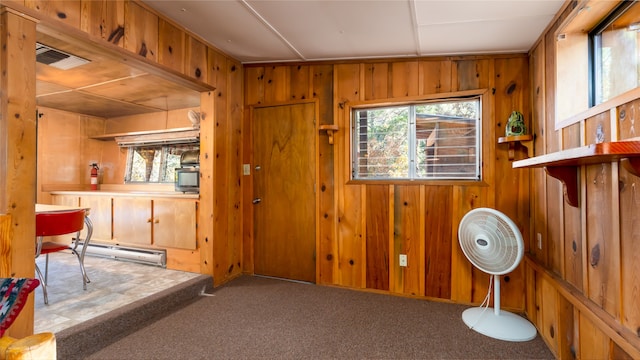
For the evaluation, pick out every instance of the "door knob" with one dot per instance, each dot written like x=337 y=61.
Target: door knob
x=258 y=167
x=256 y=200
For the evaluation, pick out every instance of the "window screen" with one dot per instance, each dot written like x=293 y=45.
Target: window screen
x=431 y=140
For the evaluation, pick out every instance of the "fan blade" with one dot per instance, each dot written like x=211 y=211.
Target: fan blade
x=491 y=241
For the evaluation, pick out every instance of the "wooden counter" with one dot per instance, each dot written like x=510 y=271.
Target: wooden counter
x=126 y=193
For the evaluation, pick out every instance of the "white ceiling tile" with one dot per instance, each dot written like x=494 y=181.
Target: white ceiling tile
x=229 y=26
x=482 y=36
x=455 y=11
x=332 y=29
x=297 y=30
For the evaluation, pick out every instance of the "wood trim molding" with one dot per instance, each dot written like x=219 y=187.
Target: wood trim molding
x=621 y=99
x=624 y=338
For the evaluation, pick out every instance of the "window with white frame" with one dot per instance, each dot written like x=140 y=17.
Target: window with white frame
x=431 y=140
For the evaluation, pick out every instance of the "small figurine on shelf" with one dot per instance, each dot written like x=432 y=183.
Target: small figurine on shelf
x=515 y=125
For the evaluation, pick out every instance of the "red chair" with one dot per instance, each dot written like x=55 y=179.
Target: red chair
x=53 y=224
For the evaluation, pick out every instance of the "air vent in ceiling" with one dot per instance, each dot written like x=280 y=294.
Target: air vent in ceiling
x=56 y=58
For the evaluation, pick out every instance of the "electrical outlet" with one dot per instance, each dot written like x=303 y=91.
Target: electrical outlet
x=246 y=169
x=539 y=238
x=403 y=260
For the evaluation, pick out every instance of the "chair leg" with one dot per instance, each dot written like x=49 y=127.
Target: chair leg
x=85 y=277
x=46 y=269
x=80 y=255
x=44 y=285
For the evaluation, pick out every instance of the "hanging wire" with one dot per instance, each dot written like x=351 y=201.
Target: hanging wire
x=485 y=302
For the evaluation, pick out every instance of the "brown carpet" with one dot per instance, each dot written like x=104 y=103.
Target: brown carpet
x=262 y=318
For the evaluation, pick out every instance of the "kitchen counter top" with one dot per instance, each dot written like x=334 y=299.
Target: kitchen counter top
x=135 y=193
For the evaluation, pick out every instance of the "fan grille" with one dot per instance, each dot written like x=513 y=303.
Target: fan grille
x=491 y=241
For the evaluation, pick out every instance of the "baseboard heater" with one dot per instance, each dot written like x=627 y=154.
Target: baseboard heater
x=124 y=253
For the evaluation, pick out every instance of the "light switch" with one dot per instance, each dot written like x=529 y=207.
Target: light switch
x=246 y=169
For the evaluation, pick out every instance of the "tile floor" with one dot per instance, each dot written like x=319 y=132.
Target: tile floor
x=113 y=284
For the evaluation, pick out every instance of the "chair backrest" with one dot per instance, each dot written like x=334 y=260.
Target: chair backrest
x=59 y=223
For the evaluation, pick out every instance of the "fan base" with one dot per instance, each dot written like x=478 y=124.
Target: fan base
x=505 y=326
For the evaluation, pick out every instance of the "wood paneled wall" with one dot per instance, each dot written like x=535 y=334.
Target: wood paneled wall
x=65 y=146
x=583 y=285
x=364 y=227
x=65 y=150
x=580 y=288
x=132 y=26
x=221 y=195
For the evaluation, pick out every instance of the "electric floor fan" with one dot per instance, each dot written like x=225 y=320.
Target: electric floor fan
x=492 y=243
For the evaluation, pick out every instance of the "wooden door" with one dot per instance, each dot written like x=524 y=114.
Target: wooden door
x=284 y=176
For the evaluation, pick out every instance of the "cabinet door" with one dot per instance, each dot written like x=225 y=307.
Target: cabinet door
x=174 y=223
x=100 y=215
x=132 y=221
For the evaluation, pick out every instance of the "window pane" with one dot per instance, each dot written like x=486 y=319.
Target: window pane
x=434 y=140
x=144 y=163
x=155 y=163
x=617 y=67
x=173 y=160
x=446 y=142
x=382 y=143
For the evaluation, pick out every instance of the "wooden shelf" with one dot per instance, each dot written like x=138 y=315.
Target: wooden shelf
x=513 y=141
x=330 y=129
x=563 y=165
x=189 y=134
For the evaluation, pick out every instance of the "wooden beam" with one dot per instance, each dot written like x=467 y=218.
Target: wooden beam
x=206 y=216
x=18 y=153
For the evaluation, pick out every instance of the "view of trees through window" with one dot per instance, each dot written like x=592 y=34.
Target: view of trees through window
x=434 y=140
x=616 y=63
x=155 y=163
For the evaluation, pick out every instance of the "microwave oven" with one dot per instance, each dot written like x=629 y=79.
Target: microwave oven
x=188 y=179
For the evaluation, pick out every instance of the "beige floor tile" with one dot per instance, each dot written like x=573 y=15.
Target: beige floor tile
x=114 y=283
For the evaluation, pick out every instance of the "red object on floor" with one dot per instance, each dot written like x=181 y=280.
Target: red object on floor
x=52 y=224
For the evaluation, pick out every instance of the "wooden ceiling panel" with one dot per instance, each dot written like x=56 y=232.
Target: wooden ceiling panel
x=148 y=90
x=106 y=87
x=83 y=103
x=77 y=48
x=87 y=74
x=46 y=88
x=100 y=69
